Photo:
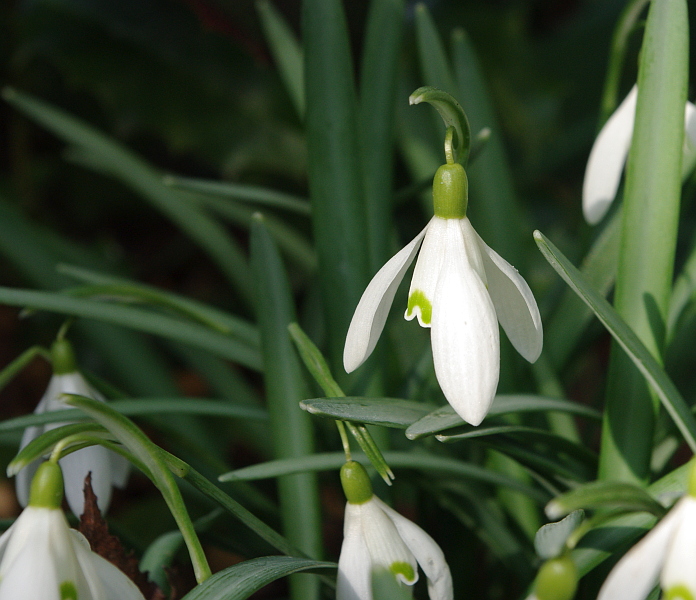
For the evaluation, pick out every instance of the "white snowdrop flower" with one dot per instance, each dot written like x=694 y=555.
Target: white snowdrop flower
x=107 y=467
x=666 y=554
x=41 y=558
x=461 y=289
x=609 y=153
x=376 y=536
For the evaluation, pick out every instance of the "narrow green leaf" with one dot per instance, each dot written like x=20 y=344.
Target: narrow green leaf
x=428 y=463
x=241 y=580
x=550 y=540
x=431 y=52
x=388 y=412
x=625 y=336
x=650 y=216
x=151 y=456
x=213 y=317
x=378 y=75
x=445 y=418
x=603 y=495
x=113 y=158
x=237 y=191
x=286 y=51
x=18 y=364
x=138 y=319
x=572 y=316
x=314 y=361
x=335 y=182
x=291 y=429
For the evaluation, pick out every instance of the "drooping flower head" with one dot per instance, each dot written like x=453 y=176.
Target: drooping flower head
x=41 y=558
x=378 y=537
x=460 y=289
x=666 y=555
x=609 y=151
x=107 y=467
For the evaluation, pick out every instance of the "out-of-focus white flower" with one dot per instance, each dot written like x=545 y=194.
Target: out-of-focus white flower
x=461 y=288
x=609 y=152
x=376 y=536
x=41 y=558
x=107 y=467
x=667 y=553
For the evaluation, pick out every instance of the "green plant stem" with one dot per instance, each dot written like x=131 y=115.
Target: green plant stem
x=648 y=237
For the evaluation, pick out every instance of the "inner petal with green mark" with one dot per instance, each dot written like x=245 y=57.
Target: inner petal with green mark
x=423 y=308
x=678 y=592
x=68 y=591
x=404 y=570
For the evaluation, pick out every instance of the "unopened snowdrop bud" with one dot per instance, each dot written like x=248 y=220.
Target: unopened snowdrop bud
x=557 y=580
x=107 y=468
x=450 y=192
x=377 y=537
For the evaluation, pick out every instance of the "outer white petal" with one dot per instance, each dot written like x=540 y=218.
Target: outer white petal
x=24 y=477
x=354 y=564
x=372 y=310
x=120 y=470
x=514 y=302
x=607 y=159
x=105 y=580
x=466 y=348
x=681 y=554
x=637 y=572
x=428 y=554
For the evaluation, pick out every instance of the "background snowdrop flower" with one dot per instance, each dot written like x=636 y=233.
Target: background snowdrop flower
x=461 y=289
x=609 y=152
x=107 y=467
x=667 y=553
x=376 y=536
x=41 y=558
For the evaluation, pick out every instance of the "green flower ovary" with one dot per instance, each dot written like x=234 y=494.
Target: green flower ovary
x=678 y=592
x=417 y=298
x=450 y=192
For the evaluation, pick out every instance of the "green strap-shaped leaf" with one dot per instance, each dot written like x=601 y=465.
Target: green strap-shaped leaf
x=605 y=494
x=388 y=412
x=151 y=456
x=625 y=336
x=138 y=319
x=241 y=580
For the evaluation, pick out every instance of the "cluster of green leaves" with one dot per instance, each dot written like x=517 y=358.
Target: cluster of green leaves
x=321 y=171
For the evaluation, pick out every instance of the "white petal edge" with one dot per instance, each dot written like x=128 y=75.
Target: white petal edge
x=428 y=554
x=607 y=159
x=637 y=572
x=372 y=310
x=104 y=579
x=354 y=564
x=689 y=155
x=515 y=306
x=466 y=346
x=681 y=554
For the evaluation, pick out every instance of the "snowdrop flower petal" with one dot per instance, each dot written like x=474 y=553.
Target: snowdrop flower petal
x=76 y=466
x=466 y=347
x=354 y=580
x=637 y=572
x=607 y=158
x=372 y=310
x=102 y=577
x=679 y=571
x=514 y=302
x=426 y=551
